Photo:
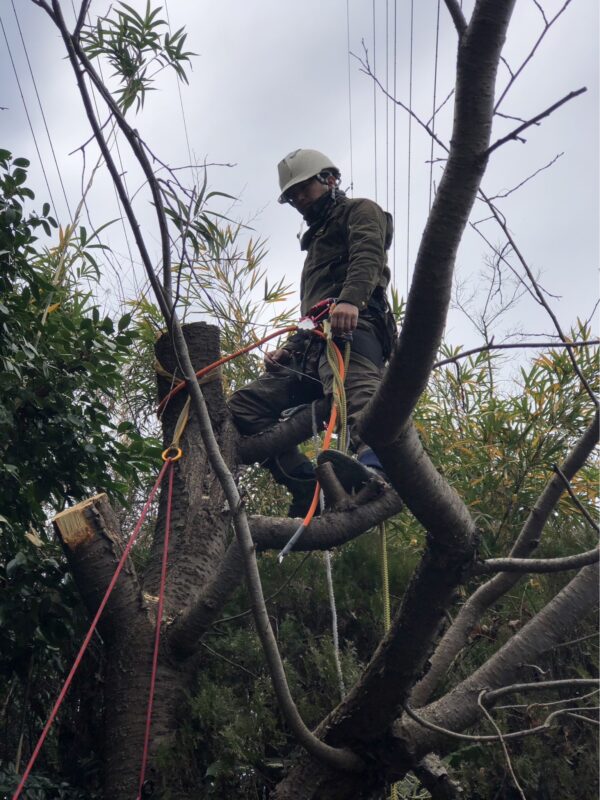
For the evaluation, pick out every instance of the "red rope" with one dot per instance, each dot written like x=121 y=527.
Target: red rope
x=159 y=614
x=90 y=633
x=205 y=370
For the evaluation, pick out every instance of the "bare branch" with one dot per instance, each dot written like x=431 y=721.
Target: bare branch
x=486 y=595
x=540 y=297
x=502 y=195
x=85 y=4
x=533 y=121
x=537 y=565
x=575 y=499
x=542 y=12
x=571 y=683
x=502 y=742
x=516 y=74
x=465 y=737
x=460 y=23
x=458 y=709
x=512 y=346
x=438 y=109
x=366 y=68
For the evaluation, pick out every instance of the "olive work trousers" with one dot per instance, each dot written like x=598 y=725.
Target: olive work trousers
x=308 y=377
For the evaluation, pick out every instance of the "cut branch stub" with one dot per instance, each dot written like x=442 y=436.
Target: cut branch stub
x=91 y=538
x=199 y=515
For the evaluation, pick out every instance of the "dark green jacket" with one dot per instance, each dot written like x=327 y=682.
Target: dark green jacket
x=346 y=253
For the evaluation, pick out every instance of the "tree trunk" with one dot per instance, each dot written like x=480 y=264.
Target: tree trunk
x=198 y=541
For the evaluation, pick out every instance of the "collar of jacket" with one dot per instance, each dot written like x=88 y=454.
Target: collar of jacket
x=317 y=214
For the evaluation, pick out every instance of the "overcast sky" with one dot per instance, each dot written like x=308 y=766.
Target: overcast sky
x=274 y=75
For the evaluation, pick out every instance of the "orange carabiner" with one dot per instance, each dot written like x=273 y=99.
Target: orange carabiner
x=176 y=457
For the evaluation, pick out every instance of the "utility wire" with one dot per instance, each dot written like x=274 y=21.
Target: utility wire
x=394 y=129
x=387 y=104
x=375 y=97
x=410 y=88
x=37 y=94
x=185 y=128
x=435 y=76
x=12 y=61
x=349 y=96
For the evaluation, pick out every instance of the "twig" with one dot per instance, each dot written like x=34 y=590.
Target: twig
x=502 y=742
x=574 y=498
x=576 y=641
x=473 y=738
x=512 y=346
x=540 y=296
x=437 y=111
x=268 y=599
x=537 y=565
x=529 y=706
x=530 y=56
x=583 y=718
x=366 y=68
x=460 y=23
x=228 y=660
x=502 y=195
x=533 y=121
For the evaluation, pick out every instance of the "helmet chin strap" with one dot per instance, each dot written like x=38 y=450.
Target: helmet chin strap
x=323 y=177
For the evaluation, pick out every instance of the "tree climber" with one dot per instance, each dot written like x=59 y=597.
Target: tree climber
x=346 y=247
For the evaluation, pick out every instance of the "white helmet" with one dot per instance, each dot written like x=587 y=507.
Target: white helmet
x=299 y=166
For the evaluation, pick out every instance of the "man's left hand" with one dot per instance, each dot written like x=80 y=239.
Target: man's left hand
x=343 y=318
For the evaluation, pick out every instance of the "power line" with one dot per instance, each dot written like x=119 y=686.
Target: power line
x=185 y=128
x=435 y=76
x=12 y=61
x=375 y=97
x=394 y=125
x=349 y=96
x=387 y=104
x=37 y=94
x=410 y=88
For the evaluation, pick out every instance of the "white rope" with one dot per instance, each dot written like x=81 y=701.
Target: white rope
x=329 y=575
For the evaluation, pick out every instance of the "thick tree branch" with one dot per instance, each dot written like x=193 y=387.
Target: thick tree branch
x=514 y=135
x=291 y=431
x=460 y=23
x=85 y=4
x=537 y=564
x=458 y=709
x=486 y=595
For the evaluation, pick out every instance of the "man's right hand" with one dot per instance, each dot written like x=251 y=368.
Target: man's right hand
x=276 y=359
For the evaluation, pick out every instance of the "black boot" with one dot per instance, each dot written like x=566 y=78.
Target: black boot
x=353 y=474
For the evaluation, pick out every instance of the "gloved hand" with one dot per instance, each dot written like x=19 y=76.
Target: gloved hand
x=275 y=359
